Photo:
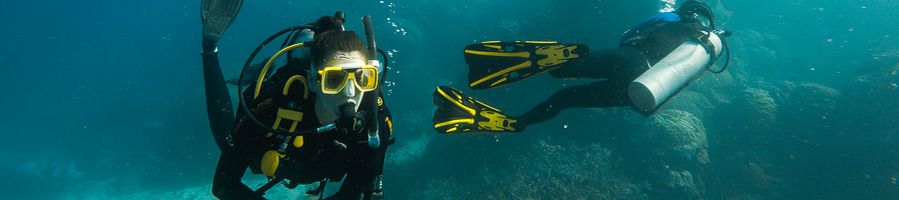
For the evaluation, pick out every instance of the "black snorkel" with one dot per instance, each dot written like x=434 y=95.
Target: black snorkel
x=374 y=140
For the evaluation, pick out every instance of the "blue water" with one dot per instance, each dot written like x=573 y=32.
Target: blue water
x=104 y=100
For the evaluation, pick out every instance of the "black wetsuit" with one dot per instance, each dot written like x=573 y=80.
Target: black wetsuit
x=329 y=155
x=640 y=48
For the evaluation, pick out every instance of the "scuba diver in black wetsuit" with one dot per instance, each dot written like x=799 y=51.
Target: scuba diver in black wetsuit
x=655 y=59
x=318 y=118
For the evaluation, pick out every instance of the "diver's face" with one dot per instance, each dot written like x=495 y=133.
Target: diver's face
x=328 y=105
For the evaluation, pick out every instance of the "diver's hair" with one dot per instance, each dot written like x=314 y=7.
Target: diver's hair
x=330 y=42
x=693 y=6
x=328 y=23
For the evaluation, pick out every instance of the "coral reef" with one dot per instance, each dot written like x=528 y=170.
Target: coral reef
x=756 y=107
x=690 y=101
x=545 y=171
x=408 y=151
x=674 y=135
x=808 y=107
x=103 y=190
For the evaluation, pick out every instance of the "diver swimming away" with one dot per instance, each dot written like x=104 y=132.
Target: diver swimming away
x=655 y=59
x=320 y=117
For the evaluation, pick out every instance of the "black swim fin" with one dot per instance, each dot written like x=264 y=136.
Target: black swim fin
x=494 y=63
x=457 y=113
x=217 y=15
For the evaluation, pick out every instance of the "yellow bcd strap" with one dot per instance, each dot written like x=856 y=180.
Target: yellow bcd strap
x=272 y=158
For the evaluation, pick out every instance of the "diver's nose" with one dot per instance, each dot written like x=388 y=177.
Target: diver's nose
x=350 y=89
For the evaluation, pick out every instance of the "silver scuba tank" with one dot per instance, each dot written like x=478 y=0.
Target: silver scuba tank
x=664 y=79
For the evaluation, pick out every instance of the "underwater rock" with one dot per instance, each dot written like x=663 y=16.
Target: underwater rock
x=674 y=135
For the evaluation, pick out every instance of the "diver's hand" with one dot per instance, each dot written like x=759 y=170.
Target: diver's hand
x=378 y=192
x=350 y=121
x=377 y=195
x=350 y=125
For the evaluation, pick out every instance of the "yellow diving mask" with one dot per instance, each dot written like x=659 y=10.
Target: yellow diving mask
x=334 y=79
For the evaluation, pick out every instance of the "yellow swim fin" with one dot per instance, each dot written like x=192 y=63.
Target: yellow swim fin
x=494 y=63
x=457 y=113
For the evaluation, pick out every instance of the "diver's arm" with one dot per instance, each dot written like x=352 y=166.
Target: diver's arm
x=226 y=183
x=218 y=100
x=217 y=16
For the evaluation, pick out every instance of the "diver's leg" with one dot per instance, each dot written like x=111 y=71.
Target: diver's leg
x=218 y=100
x=605 y=63
x=596 y=94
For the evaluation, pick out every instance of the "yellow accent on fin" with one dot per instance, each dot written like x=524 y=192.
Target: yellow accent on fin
x=504 y=79
x=500 y=54
x=488 y=106
x=452 y=129
x=458 y=96
x=459 y=104
x=506 y=71
x=541 y=42
x=456 y=121
x=493 y=46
